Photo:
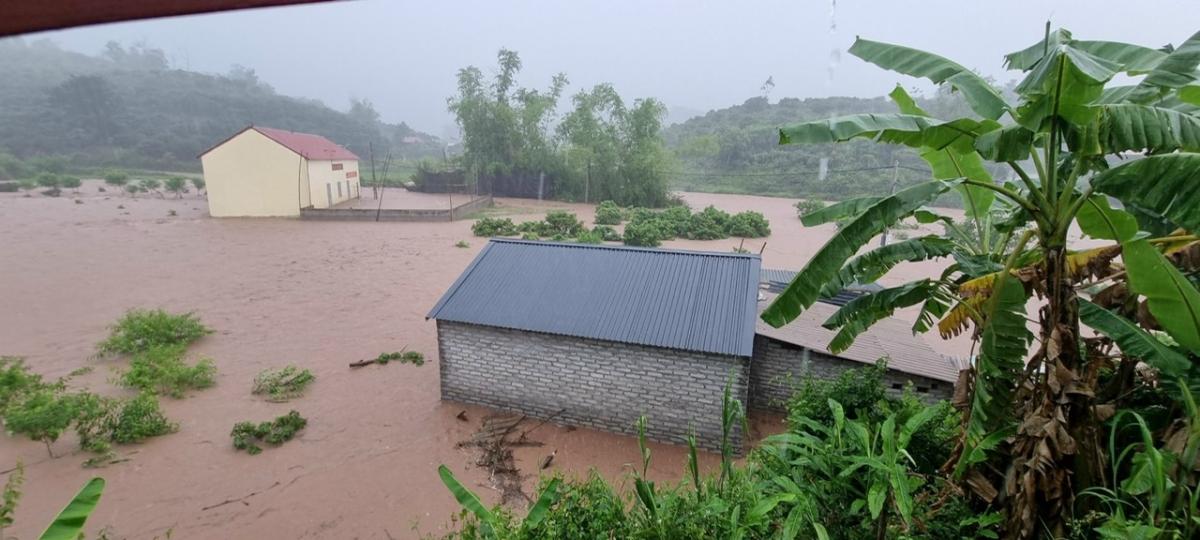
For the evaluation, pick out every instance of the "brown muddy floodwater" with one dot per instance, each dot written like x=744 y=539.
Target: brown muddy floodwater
x=280 y=291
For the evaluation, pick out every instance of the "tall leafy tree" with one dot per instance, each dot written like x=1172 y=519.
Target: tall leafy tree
x=1032 y=428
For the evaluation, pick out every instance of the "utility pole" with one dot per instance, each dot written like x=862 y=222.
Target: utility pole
x=541 y=183
x=374 y=177
x=587 y=184
x=892 y=190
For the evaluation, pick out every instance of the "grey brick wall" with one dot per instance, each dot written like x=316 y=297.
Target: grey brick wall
x=597 y=384
x=779 y=369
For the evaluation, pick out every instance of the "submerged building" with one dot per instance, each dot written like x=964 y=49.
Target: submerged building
x=598 y=335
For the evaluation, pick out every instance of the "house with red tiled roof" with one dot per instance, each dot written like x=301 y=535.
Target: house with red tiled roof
x=267 y=172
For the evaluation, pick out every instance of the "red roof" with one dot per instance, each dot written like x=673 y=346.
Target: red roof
x=308 y=145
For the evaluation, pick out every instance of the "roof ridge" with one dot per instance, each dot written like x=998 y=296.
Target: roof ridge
x=672 y=251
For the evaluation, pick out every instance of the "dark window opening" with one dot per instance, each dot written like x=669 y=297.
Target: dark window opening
x=337 y=166
x=923 y=389
x=897 y=386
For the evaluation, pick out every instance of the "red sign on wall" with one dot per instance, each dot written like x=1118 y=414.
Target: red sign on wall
x=352 y=174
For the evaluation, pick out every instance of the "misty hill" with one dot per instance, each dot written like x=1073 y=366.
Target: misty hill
x=737 y=149
x=128 y=108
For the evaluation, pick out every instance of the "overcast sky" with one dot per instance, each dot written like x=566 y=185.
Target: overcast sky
x=692 y=55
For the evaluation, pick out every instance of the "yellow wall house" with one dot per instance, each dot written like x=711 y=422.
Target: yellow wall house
x=265 y=172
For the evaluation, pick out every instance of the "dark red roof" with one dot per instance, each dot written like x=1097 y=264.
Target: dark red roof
x=308 y=145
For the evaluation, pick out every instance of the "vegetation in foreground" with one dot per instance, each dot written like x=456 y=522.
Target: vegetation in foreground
x=140 y=330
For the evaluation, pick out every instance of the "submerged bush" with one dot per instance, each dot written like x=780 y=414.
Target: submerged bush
x=282 y=384
x=608 y=213
x=564 y=223
x=138 y=419
x=644 y=234
x=748 y=224
x=608 y=234
x=247 y=435
x=489 y=227
x=140 y=330
x=161 y=369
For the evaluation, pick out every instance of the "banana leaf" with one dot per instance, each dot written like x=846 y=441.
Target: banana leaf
x=68 y=525
x=825 y=265
x=1134 y=341
x=982 y=98
x=1168 y=185
x=1172 y=299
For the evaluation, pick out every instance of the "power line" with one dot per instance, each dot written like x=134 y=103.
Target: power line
x=796 y=173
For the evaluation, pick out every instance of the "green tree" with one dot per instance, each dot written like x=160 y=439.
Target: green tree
x=176 y=185
x=150 y=185
x=198 y=183
x=116 y=179
x=72 y=183
x=51 y=182
x=1031 y=431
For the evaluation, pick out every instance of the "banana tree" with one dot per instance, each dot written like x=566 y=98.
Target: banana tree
x=1071 y=140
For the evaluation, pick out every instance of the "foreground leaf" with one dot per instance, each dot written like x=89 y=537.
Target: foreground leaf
x=841 y=210
x=549 y=496
x=1099 y=220
x=466 y=498
x=68 y=525
x=1134 y=341
x=1130 y=127
x=1168 y=185
x=1002 y=352
x=980 y=95
x=1172 y=299
x=872 y=265
x=825 y=265
x=859 y=314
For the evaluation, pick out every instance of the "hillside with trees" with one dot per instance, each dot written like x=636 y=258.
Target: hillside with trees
x=129 y=108
x=737 y=150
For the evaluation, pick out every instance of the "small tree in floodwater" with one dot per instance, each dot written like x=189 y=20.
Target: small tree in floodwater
x=72 y=183
x=176 y=185
x=116 y=179
x=51 y=182
x=150 y=185
x=198 y=183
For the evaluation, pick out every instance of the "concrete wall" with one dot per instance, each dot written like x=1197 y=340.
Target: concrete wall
x=779 y=369
x=597 y=384
x=394 y=214
x=324 y=182
x=252 y=175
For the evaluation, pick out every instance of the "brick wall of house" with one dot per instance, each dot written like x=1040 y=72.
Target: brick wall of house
x=780 y=368
x=598 y=384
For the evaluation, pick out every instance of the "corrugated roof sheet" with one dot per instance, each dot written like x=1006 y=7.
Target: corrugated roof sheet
x=688 y=300
x=890 y=337
x=310 y=146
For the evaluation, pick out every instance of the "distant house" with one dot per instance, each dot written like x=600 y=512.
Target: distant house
x=598 y=335
x=263 y=172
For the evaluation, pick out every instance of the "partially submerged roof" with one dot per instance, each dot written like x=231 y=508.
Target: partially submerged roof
x=308 y=145
x=891 y=338
x=690 y=300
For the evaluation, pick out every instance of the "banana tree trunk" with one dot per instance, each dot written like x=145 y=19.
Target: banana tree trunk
x=1057 y=451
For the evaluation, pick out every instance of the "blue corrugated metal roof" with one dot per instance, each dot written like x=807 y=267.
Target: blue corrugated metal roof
x=689 y=300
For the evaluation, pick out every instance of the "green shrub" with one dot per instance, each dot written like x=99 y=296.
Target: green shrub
x=489 y=227
x=563 y=223
x=48 y=180
x=462 y=244
x=71 y=182
x=27 y=185
x=247 y=435
x=176 y=185
x=643 y=233
x=161 y=369
x=607 y=234
x=675 y=221
x=11 y=496
x=608 y=213
x=808 y=206
x=139 y=330
x=282 y=384
x=138 y=419
x=42 y=415
x=709 y=224
x=16 y=381
x=590 y=237
x=198 y=183
x=748 y=224
x=530 y=236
